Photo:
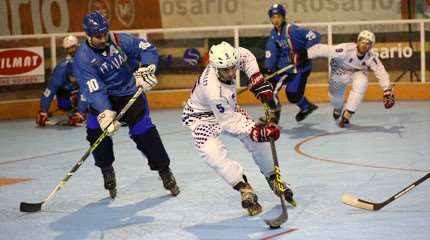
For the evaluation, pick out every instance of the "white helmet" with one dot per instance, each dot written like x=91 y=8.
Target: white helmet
x=223 y=55
x=367 y=35
x=70 y=41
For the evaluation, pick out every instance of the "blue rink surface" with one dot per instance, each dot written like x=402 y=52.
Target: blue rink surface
x=381 y=153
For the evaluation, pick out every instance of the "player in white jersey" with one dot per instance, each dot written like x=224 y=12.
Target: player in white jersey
x=350 y=63
x=212 y=109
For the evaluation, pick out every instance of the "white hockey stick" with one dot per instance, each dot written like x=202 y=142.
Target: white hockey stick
x=363 y=204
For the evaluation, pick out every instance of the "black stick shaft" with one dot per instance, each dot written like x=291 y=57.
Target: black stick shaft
x=407 y=189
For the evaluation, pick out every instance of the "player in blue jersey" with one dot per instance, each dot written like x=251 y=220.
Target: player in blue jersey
x=109 y=67
x=287 y=45
x=63 y=85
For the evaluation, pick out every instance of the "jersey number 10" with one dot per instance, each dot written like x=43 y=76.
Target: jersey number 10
x=92 y=85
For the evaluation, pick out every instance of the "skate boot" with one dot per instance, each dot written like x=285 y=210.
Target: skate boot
x=305 y=112
x=169 y=181
x=109 y=181
x=344 y=120
x=249 y=198
x=274 y=116
x=288 y=193
x=336 y=113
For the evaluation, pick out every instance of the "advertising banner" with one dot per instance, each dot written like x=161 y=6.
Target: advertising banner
x=193 y=13
x=22 y=66
x=60 y=16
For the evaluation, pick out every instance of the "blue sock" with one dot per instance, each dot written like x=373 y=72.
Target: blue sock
x=303 y=103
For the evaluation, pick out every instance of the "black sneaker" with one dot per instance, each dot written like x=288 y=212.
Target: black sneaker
x=169 y=181
x=109 y=181
x=336 y=113
x=305 y=112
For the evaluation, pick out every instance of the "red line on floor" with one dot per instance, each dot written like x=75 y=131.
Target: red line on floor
x=280 y=234
x=9 y=181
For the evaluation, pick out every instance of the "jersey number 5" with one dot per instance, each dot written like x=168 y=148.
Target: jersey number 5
x=92 y=85
x=220 y=108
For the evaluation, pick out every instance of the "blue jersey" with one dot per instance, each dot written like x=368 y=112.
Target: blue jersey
x=291 y=39
x=110 y=73
x=58 y=83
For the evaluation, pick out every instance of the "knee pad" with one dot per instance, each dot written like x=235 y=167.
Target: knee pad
x=214 y=152
x=150 y=144
x=103 y=154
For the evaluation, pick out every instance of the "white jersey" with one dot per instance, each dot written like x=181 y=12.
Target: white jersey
x=211 y=100
x=344 y=61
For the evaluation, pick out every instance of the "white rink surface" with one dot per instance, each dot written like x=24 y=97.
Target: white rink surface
x=394 y=145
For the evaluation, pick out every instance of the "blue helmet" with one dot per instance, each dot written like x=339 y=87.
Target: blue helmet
x=95 y=24
x=276 y=9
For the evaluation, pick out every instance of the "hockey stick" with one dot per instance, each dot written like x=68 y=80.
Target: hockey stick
x=36 y=207
x=278 y=221
x=282 y=70
x=359 y=203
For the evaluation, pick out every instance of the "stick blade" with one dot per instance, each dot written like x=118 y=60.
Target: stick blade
x=281 y=219
x=357 y=203
x=30 y=207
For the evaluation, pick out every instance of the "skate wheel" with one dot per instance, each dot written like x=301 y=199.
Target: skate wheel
x=175 y=191
x=112 y=193
x=254 y=210
x=274 y=227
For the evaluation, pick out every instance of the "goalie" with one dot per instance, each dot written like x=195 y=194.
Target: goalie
x=350 y=63
x=63 y=85
x=212 y=110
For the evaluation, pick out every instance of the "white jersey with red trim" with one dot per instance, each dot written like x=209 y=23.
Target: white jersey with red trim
x=344 y=62
x=212 y=100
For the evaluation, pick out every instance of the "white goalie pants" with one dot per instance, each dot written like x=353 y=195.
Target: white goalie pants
x=206 y=135
x=337 y=87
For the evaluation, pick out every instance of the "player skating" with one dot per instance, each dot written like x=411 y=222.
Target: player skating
x=285 y=45
x=350 y=63
x=109 y=68
x=212 y=110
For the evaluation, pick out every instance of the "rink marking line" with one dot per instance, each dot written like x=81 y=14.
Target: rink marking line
x=298 y=150
x=280 y=234
x=74 y=150
x=10 y=181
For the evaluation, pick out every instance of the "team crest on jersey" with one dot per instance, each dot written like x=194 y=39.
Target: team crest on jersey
x=339 y=50
x=350 y=60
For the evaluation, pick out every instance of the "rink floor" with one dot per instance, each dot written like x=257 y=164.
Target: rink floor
x=381 y=153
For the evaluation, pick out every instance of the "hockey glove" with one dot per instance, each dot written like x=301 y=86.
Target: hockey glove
x=105 y=118
x=41 y=118
x=389 y=98
x=145 y=77
x=77 y=118
x=263 y=133
x=298 y=58
x=260 y=87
